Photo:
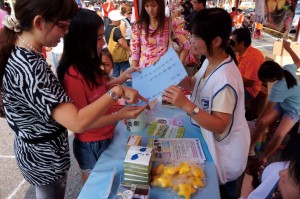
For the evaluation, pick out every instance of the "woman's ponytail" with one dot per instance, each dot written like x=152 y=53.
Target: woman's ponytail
x=291 y=81
x=230 y=52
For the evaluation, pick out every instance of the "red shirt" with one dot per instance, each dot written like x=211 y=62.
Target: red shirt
x=81 y=94
x=105 y=6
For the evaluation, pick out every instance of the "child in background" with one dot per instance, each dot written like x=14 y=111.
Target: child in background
x=107 y=63
x=107 y=66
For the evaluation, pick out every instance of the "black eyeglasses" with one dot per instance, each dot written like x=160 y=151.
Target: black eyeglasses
x=231 y=42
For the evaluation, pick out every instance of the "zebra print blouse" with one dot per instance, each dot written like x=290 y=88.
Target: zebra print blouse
x=30 y=92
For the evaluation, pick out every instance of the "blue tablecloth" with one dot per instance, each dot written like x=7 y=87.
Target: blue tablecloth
x=100 y=180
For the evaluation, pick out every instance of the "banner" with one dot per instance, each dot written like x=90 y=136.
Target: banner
x=279 y=14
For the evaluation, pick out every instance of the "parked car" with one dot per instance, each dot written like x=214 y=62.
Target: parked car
x=246 y=5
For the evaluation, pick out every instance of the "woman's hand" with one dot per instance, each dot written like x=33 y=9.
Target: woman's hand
x=130 y=112
x=123 y=77
x=176 y=96
x=132 y=96
x=128 y=71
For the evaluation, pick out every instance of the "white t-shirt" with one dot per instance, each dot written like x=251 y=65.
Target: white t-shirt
x=224 y=100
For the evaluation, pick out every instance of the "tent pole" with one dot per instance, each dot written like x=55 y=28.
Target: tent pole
x=136 y=9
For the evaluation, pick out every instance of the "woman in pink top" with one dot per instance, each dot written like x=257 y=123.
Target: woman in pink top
x=150 y=34
x=2 y=15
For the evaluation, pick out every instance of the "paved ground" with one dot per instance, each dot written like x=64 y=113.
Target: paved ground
x=13 y=185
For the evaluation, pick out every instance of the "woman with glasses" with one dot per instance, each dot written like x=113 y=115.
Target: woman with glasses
x=217 y=102
x=125 y=25
x=37 y=108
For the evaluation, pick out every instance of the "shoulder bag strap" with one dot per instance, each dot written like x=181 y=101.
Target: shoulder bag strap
x=111 y=40
x=111 y=35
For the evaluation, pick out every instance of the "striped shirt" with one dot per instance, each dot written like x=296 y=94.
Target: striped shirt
x=30 y=93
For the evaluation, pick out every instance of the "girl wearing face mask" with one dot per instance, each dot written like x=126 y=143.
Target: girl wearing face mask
x=281 y=180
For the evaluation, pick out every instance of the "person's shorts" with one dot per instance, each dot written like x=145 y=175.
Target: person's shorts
x=287 y=114
x=88 y=153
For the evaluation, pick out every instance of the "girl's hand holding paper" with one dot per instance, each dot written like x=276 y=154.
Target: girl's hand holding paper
x=176 y=96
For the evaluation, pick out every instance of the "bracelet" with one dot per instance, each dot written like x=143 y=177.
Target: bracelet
x=122 y=89
x=113 y=95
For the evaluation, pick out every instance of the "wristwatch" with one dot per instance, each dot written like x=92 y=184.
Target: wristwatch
x=113 y=95
x=196 y=110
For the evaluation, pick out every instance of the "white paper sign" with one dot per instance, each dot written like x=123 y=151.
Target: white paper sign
x=177 y=150
x=153 y=80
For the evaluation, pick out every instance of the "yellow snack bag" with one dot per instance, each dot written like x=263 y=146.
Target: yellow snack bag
x=184 y=168
x=186 y=190
x=162 y=181
x=170 y=170
x=198 y=172
x=196 y=182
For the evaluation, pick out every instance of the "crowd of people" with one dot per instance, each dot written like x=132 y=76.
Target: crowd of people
x=100 y=48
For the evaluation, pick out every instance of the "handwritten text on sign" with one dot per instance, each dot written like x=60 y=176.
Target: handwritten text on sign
x=154 y=79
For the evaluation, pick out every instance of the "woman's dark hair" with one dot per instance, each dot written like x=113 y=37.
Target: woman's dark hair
x=211 y=23
x=25 y=11
x=106 y=52
x=271 y=70
x=145 y=19
x=291 y=153
x=80 y=47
